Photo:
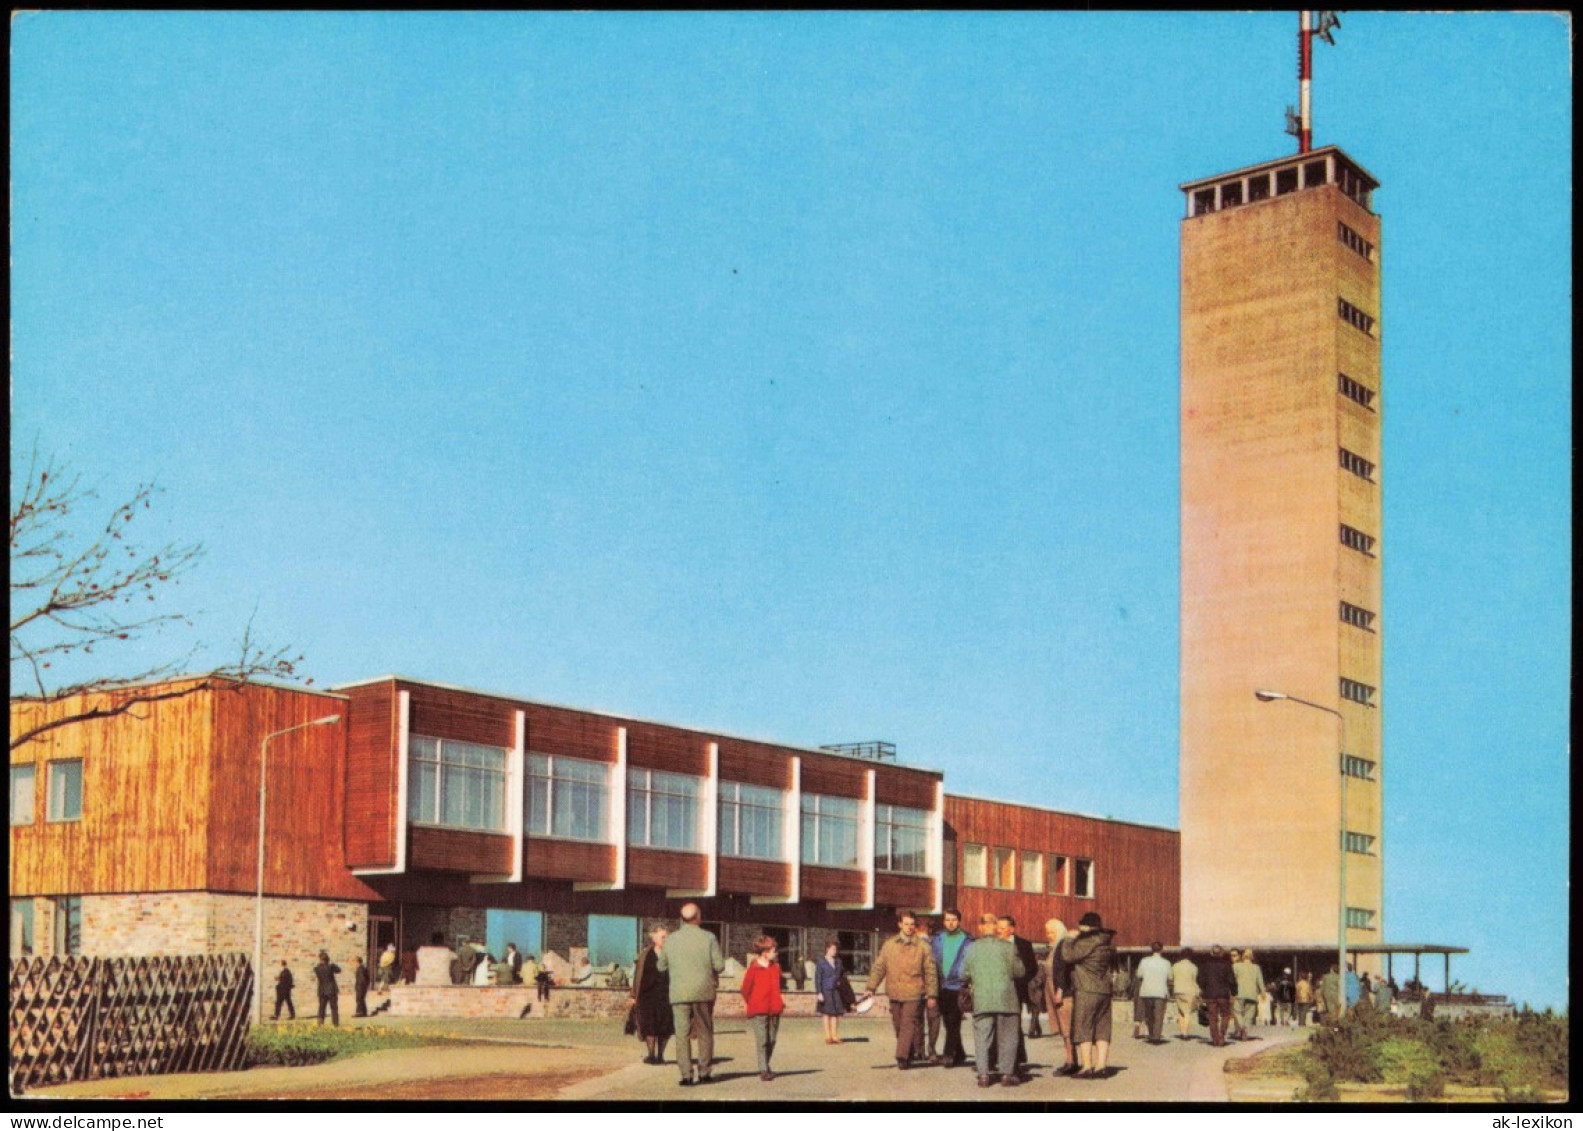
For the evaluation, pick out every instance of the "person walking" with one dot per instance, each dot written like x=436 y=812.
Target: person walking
x=1185 y=990
x=761 y=998
x=905 y=967
x=389 y=967
x=1090 y=954
x=360 y=984
x=283 y=987
x=928 y=1030
x=1058 y=995
x=693 y=960
x=1284 y=992
x=1154 y=987
x=1383 y=995
x=827 y=974
x=990 y=971
x=1302 y=999
x=1250 y=989
x=466 y=962
x=329 y=990
x=1218 y=981
x=950 y=947
x=1330 y=995
x=1030 y=966
x=650 y=1001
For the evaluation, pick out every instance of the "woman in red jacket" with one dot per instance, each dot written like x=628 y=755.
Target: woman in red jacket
x=761 y=993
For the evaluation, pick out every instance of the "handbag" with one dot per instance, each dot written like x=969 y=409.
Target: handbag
x=631 y=1026
x=844 y=991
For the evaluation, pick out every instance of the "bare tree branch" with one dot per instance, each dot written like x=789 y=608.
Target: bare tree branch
x=75 y=595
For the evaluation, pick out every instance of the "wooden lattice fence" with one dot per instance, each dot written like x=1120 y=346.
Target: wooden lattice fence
x=80 y=1018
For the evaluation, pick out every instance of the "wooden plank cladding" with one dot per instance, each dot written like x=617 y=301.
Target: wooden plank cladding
x=369 y=830
x=651 y=867
x=145 y=799
x=835 y=777
x=1137 y=868
x=458 y=850
x=570 y=860
x=833 y=885
x=754 y=877
x=654 y=747
x=903 y=891
x=306 y=794
x=755 y=764
x=576 y=734
x=914 y=790
x=442 y=713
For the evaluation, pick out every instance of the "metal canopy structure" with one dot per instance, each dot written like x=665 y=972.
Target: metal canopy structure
x=1295 y=953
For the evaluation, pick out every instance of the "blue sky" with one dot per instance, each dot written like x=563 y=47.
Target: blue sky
x=809 y=376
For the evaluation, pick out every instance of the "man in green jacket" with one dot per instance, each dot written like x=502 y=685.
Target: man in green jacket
x=991 y=969
x=905 y=967
x=1089 y=953
x=692 y=958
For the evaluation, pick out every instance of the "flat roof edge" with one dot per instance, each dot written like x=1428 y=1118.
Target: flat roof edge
x=1062 y=812
x=1264 y=166
x=638 y=719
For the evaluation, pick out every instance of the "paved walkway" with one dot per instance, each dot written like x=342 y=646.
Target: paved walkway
x=591 y=1060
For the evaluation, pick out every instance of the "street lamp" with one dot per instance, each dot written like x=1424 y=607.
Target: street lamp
x=1265 y=696
x=263 y=793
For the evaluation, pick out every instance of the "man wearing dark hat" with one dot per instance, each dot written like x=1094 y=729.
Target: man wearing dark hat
x=1089 y=953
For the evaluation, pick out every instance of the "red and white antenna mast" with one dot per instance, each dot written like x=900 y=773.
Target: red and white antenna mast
x=1301 y=123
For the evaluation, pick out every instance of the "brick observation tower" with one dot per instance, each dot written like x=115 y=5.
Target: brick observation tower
x=1281 y=552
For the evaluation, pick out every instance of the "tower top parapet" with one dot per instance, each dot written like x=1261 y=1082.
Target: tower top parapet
x=1325 y=166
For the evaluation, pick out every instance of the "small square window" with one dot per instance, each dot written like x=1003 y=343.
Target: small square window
x=1258 y=188
x=68 y=924
x=22 y=795
x=1005 y=876
x=975 y=866
x=1083 y=879
x=65 y=790
x=1231 y=194
x=1060 y=874
x=1285 y=181
x=1033 y=872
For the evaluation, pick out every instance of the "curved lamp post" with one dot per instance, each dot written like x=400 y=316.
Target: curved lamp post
x=263 y=793
x=1264 y=696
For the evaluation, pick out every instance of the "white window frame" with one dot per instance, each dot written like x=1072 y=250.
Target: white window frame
x=67 y=913
x=1093 y=882
x=1060 y=878
x=552 y=787
x=995 y=871
x=731 y=798
x=1036 y=859
x=23 y=808
x=23 y=929
x=495 y=823
x=56 y=788
x=886 y=826
x=643 y=787
x=813 y=811
x=975 y=874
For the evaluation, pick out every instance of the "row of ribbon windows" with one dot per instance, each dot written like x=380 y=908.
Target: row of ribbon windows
x=463 y=785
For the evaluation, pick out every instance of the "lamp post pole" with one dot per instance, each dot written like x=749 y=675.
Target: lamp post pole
x=263 y=794
x=1341 y=925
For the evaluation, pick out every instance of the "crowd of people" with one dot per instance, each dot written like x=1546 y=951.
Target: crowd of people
x=933 y=982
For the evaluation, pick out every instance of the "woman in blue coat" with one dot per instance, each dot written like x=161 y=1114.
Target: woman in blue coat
x=827 y=984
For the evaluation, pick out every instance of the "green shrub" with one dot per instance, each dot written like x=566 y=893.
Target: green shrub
x=1351 y=1049
x=292 y=1045
x=1422 y=1086
x=1320 y=1087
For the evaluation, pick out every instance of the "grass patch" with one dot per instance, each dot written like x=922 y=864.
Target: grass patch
x=292 y=1045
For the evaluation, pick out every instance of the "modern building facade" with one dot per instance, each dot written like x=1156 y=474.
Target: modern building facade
x=1281 y=543
x=427 y=808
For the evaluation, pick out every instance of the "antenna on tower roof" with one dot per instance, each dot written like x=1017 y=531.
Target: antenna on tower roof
x=1300 y=122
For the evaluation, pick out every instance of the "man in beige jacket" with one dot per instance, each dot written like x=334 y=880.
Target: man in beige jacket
x=905 y=967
